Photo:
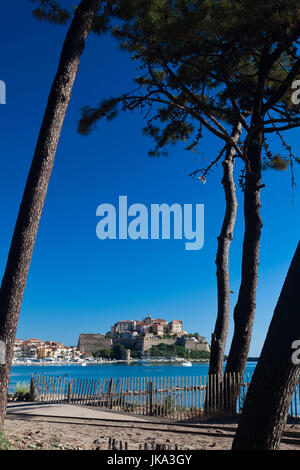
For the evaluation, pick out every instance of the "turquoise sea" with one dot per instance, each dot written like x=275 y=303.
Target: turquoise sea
x=21 y=373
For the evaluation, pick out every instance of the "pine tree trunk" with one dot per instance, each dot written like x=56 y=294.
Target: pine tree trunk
x=219 y=336
x=245 y=308
x=19 y=258
x=275 y=377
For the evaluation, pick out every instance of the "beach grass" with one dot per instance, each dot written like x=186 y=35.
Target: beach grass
x=4 y=442
x=21 y=391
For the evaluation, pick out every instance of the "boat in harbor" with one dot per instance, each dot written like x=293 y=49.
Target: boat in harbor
x=144 y=361
x=186 y=364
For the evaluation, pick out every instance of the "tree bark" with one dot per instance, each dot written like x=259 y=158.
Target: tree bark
x=219 y=336
x=19 y=258
x=245 y=308
x=276 y=374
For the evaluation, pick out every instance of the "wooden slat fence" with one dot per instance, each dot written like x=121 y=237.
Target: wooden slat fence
x=180 y=398
x=115 y=444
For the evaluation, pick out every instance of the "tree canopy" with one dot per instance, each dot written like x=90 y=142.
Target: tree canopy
x=206 y=64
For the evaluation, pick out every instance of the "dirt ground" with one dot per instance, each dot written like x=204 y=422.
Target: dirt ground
x=37 y=433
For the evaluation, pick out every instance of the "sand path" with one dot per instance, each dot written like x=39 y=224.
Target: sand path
x=43 y=426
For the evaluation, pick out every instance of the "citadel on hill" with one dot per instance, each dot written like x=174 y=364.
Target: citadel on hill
x=141 y=336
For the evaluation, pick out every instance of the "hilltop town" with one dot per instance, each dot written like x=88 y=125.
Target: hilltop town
x=127 y=339
x=134 y=338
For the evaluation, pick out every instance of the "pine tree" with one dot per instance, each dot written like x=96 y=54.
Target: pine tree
x=208 y=65
x=275 y=377
x=219 y=336
x=22 y=244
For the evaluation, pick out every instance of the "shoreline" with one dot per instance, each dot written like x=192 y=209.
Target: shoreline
x=118 y=361
x=100 y=363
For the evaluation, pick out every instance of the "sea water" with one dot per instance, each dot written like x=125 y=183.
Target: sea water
x=23 y=373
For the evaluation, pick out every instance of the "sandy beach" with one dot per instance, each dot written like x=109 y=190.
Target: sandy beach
x=67 y=427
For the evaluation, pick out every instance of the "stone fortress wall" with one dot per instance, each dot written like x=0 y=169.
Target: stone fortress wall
x=89 y=343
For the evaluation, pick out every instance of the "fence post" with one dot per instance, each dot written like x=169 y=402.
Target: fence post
x=69 y=392
x=150 y=391
x=32 y=390
x=110 y=398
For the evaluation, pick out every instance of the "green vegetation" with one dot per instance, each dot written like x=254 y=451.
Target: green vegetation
x=55 y=442
x=117 y=352
x=173 y=350
x=4 y=442
x=167 y=350
x=199 y=354
x=135 y=354
x=130 y=407
x=105 y=353
x=167 y=408
x=22 y=391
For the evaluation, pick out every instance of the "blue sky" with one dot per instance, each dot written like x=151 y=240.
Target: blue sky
x=78 y=283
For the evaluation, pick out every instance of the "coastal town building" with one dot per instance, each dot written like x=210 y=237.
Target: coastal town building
x=156 y=326
x=175 y=327
x=123 y=325
x=18 y=348
x=37 y=349
x=158 y=329
x=30 y=347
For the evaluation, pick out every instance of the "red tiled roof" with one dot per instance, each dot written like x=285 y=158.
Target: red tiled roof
x=126 y=321
x=34 y=340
